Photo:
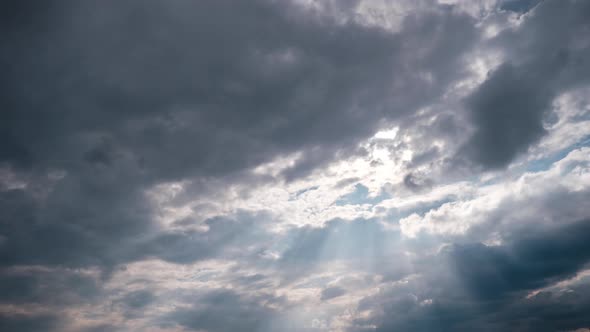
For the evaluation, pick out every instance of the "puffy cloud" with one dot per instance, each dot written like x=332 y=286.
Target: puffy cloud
x=549 y=58
x=485 y=287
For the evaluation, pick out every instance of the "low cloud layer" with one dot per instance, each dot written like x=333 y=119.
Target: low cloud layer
x=295 y=166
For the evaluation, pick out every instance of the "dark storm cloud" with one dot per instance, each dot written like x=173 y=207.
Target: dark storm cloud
x=124 y=96
x=532 y=261
x=553 y=310
x=508 y=110
x=53 y=287
x=124 y=235
x=102 y=101
x=28 y=323
x=48 y=289
x=546 y=56
x=195 y=88
x=478 y=287
x=80 y=223
x=473 y=286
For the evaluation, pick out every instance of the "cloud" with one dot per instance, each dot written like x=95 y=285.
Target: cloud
x=124 y=97
x=294 y=165
x=229 y=95
x=221 y=311
x=508 y=109
x=332 y=292
x=519 y=6
x=476 y=286
x=534 y=260
x=549 y=195
x=48 y=286
x=28 y=323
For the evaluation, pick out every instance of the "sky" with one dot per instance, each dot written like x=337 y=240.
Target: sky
x=294 y=165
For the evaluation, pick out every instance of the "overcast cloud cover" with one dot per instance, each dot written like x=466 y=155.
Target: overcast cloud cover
x=294 y=165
